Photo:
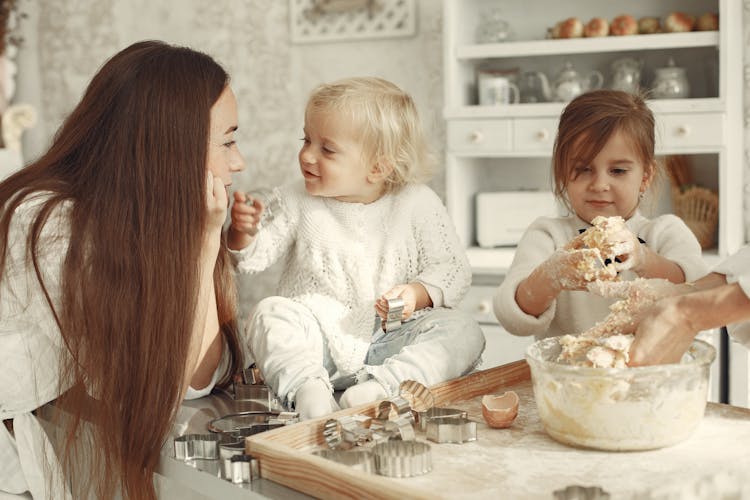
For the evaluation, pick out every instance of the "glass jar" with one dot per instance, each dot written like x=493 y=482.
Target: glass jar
x=670 y=82
x=492 y=27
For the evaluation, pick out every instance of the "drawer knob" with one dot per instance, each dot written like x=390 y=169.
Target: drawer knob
x=542 y=135
x=483 y=307
x=683 y=130
x=476 y=137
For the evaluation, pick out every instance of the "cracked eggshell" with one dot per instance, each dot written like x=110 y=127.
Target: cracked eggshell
x=500 y=411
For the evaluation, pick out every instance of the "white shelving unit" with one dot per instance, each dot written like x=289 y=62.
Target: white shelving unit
x=508 y=147
x=498 y=148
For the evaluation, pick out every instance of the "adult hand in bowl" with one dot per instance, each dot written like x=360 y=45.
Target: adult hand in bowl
x=663 y=334
x=638 y=296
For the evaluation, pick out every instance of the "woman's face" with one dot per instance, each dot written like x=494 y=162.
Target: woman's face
x=611 y=183
x=224 y=158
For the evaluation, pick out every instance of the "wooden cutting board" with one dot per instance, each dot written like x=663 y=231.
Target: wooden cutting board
x=519 y=462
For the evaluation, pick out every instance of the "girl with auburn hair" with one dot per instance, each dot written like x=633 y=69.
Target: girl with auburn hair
x=116 y=292
x=603 y=163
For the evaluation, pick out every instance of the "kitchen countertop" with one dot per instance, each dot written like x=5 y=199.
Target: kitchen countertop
x=198 y=479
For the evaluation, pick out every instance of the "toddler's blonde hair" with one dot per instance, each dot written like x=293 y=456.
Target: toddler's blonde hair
x=388 y=123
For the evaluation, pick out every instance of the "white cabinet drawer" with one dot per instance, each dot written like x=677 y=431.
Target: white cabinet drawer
x=480 y=136
x=534 y=134
x=675 y=131
x=478 y=303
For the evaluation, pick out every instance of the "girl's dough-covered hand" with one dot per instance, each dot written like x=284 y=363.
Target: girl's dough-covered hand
x=629 y=251
x=574 y=269
x=617 y=245
x=406 y=293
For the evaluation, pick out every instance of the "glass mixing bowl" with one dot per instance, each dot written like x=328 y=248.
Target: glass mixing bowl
x=637 y=408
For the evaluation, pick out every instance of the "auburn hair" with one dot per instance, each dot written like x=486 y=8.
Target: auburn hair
x=587 y=123
x=130 y=163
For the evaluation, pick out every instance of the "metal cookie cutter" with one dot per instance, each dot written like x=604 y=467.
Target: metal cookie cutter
x=360 y=459
x=422 y=417
x=233 y=422
x=576 y=492
x=196 y=446
x=395 y=313
x=244 y=469
x=345 y=432
x=402 y=458
x=451 y=430
x=401 y=428
x=226 y=452
x=393 y=408
x=248 y=392
x=419 y=397
x=252 y=375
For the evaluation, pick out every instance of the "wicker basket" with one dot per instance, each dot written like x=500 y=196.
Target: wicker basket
x=699 y=208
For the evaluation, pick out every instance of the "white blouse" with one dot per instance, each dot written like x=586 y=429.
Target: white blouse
x=737 y=270
x=30 y=350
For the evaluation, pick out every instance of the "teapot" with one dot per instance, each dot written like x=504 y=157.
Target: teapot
x=534 y=87
x=626 y=74
x=670 y=82
x=569 y=84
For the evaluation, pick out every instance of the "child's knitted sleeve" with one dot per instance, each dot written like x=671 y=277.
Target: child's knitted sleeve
x=443 y=265
x=275 y=237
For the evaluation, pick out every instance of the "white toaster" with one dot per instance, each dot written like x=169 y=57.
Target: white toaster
x=502 y=217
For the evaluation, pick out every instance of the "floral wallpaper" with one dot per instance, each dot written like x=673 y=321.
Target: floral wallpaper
x=65 y=43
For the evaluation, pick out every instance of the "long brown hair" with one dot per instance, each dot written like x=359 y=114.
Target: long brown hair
x=130 y=161
x=587 y=123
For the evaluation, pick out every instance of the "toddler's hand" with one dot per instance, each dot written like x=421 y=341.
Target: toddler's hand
x=406 y=293
x=246 y=212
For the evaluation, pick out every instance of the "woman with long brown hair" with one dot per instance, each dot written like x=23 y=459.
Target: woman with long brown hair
x=116 y=293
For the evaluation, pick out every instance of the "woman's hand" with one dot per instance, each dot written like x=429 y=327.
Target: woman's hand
x=246 y=213
x=216 y=210
x=663 y=335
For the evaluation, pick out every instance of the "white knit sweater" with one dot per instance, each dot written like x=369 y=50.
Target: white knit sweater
x=576 y=311
x=340 y=257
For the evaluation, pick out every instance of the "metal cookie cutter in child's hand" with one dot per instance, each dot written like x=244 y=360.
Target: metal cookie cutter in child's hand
x=394 y=315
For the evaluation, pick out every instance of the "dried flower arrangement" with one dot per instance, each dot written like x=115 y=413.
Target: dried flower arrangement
x=9 y=11
x=697 y=206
